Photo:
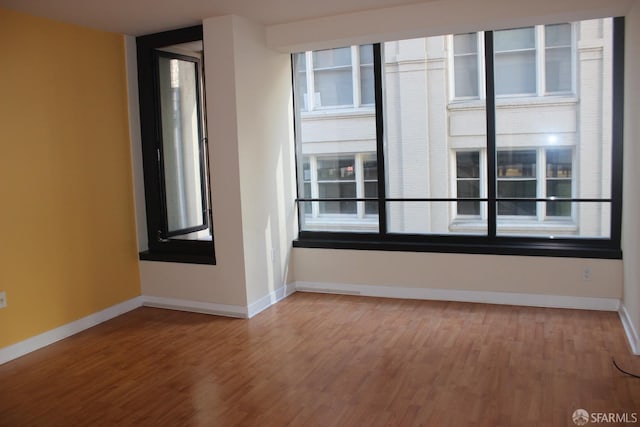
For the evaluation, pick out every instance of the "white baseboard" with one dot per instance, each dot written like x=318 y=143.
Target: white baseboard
x=506 y=298
x=270 y=299
x=39 y=341
x=630 y=330
x=195 y=306
x=221 y=309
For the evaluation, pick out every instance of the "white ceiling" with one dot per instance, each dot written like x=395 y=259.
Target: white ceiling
x=137 y=17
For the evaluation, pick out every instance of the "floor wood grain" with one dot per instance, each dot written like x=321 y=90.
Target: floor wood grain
x=325 y=360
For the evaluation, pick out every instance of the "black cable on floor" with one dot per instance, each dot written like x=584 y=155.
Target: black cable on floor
x=622 y=370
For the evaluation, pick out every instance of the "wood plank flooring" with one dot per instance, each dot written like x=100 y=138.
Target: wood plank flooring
x=325 y=360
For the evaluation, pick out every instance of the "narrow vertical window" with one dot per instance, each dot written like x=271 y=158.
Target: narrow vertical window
x=559 y=172
x=174 y=147
x=333 y=77
x=558 y=61
x=517 y=180
x=468 y=182
x=515 y=61
x=367 y=95
x=184 y=188
x=336 y=139
x=465 y=65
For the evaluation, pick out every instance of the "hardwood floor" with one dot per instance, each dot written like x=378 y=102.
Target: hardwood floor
x=323 y=360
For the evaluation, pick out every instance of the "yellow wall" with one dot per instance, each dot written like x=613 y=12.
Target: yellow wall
x=67 y=231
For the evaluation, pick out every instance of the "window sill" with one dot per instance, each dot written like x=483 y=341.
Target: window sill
x=514 y=101
x=568 y=248
x=339 y=113
x=519 y=227
x=338 y=223
x=179 y=258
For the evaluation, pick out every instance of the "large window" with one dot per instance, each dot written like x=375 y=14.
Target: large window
x=502 y=141
x=174 y=147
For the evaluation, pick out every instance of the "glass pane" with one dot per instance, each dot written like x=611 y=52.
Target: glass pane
x=408 y=217
x=514 y=39
x=371 y=190
x=337 y=168
x=333 y=77
x=301 y=81
x=465 y=43
x=337 y=191
x=571 y=141
x=333 y=88
x=307 y=194
x=468 y=188
x=178 y=85
x=367 y=89
x=469 y=208
x=339 y=145
x=468 y=164
x=559 y=163
x=332 y=58
x=516 y=189
x=306 y=170
x=516 y=163
x=559 y=188
x=432 y=145
x=515 y=73
x=335 y=222
x=370 y=167
x=465 y=70
x=593 y=221
x=557 y=35
x=366 y=54
x=558 y=69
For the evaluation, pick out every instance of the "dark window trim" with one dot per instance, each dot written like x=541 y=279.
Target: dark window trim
x=161 y=249
x=492 y=243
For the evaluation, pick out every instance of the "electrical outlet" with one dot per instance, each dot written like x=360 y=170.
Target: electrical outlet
x=586 y=274
x=3 y=299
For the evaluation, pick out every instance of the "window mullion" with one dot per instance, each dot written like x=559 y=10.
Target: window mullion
x=482 y=86
x=313 y=168
x=491 y=135
x=311 y=102
x=382 y=194
x=540 y=60
x=541 y=185
x=359 y=185
x=355 y=76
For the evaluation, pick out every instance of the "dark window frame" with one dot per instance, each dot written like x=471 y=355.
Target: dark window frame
x=163 y=247
x=491 y=243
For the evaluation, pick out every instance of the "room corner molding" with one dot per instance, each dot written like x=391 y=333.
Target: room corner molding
x=270 y=299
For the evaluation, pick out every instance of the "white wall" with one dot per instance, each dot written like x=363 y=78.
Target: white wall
x=265 y=144
x=433 y=18
x=495 y=273
x=631 y=192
